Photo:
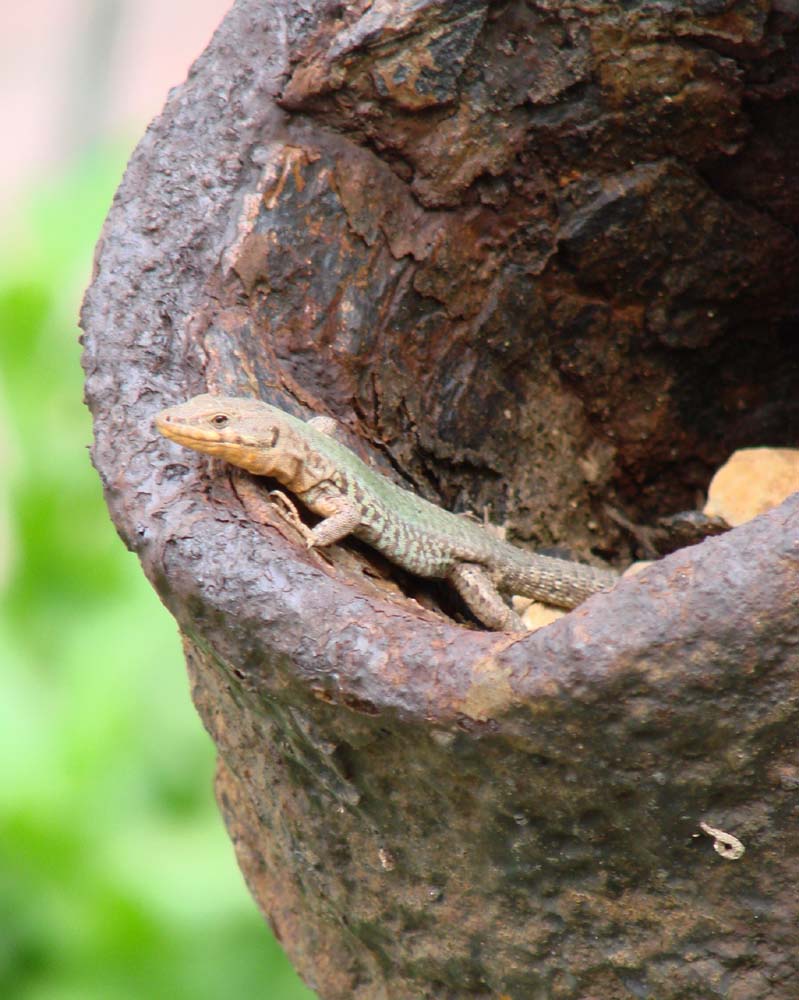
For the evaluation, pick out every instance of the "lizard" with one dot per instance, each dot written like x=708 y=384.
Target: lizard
x=330 y=480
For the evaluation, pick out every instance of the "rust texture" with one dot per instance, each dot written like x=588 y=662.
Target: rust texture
x=539 y=256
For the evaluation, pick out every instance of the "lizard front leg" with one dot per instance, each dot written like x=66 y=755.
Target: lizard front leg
x=259 y=505
x=341 y=522
x=291 y=514
x=484 y=600
x=335 y=526
x=340 y=515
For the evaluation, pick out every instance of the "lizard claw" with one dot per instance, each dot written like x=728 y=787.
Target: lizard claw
x=290 y=513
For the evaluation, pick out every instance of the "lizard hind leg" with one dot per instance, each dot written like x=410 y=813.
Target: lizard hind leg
x=484 y=600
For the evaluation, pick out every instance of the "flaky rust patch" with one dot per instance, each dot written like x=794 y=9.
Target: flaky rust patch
x=294 y=159
x=490 y=692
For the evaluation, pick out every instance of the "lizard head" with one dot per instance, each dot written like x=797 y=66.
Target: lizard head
x=248 y=433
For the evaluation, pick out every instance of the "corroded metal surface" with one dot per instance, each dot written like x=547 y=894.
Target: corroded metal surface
x=527 y=822
x=541 y=256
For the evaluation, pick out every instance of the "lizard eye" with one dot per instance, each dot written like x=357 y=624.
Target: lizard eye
x=219 y=420
x=275 y=437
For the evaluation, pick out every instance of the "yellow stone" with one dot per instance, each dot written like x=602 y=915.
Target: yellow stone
x=636 y=567
x=537 y=615
x=753 y=480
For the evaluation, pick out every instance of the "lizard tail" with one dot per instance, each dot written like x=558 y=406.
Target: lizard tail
x=555 y=581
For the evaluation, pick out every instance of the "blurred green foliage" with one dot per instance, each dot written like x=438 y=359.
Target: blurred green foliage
x=116 y=877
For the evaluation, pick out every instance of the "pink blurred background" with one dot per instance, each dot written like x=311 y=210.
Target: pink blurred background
x=73 y=72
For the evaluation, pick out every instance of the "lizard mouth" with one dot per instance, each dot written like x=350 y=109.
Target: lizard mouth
x=198 y=438
x=192 y=439
x=182 y=433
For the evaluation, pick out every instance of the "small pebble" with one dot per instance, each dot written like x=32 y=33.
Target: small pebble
x=752 y=481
